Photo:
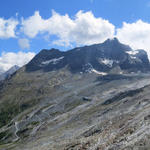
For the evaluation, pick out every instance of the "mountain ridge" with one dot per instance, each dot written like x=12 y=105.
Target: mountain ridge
x=102 y=57
x=80 y=99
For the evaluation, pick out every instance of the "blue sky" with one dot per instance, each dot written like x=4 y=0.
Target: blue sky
x=27 y=26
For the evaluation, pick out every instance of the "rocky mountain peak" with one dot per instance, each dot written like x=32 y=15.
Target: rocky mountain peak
x=113 y=40
x=101 y=57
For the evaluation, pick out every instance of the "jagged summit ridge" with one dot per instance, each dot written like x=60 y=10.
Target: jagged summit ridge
x=102 y=57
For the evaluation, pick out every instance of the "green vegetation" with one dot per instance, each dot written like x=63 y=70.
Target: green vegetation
x=7 y=113
x=4 y=135
x=35 y=123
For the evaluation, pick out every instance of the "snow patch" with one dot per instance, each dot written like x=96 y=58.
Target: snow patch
x=132 y=52
x=133 y=57
x=99 y=73
x=107 y=62
x=88 y=68
x=53 y=61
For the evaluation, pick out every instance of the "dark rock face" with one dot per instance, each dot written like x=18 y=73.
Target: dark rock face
x=101 y=57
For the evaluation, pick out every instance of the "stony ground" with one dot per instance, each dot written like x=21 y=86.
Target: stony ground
x=64 y=111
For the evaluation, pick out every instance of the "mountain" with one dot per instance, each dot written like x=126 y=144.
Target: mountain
x=94 y=97
x=100 y=57
x=9 y=72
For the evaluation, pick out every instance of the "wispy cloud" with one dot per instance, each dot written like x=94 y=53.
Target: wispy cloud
x=91 y=1
x=24 y=43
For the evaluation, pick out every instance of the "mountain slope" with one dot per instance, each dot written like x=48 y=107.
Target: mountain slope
x=61 y=100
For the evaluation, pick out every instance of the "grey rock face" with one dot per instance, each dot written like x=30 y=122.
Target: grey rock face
x=101 y=57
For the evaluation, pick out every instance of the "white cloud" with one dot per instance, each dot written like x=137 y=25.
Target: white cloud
x=9 y=59
x=136 y=34
x=24 y=43
x=83 y=29
x=33 y=25
x=7 y=28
